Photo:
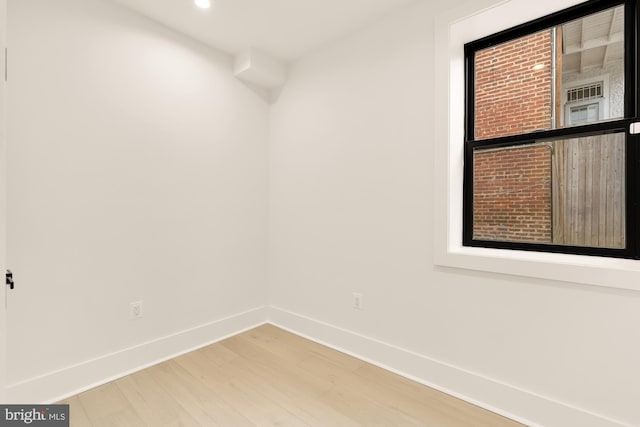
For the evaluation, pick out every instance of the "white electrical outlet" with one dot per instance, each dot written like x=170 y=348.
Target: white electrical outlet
x=135 y=310
x=357 y=300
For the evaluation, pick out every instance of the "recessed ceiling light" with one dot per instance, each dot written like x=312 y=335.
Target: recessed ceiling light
x=203 y=4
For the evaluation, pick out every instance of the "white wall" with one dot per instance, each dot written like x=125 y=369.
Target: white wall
x=351 y=209
x=138 y=170
x=3 y=364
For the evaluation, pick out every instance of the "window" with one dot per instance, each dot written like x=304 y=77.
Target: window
x=549 y=162
x=584 y=114
x=587 y=103
x=583 y=93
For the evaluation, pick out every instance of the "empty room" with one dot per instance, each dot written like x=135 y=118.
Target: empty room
x=320 y=213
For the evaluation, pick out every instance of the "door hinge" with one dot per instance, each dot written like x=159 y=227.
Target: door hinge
x=6 y=64
x=9 y=279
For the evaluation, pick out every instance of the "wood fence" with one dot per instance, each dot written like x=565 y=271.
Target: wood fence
x=588 y=191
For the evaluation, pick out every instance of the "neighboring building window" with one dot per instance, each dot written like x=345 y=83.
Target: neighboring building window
x=583 y=114
x=547 y=149
x=584 y=93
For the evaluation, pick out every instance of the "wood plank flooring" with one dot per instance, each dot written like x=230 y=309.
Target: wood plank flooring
x=270 y=377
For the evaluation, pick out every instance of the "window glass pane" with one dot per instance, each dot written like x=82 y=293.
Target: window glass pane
x=512 y=194
x=564 y=192
x=592 y=64
x=513 y=87
x=533 y=82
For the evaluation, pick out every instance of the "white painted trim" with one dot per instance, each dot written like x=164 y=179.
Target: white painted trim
x=454 y=28
x=58 y=385
x=501 y=398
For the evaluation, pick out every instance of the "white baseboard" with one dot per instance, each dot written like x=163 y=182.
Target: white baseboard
x=520 y=405
x=58 y=385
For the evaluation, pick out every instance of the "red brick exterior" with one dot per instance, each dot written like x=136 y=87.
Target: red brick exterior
x=510 y=96
x=512 y=194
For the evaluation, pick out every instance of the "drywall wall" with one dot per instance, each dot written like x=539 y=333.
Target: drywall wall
x=3 y=364
x=351 y=210
x=138 y=168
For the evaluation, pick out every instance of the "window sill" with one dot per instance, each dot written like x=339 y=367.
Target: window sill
x=587 y=270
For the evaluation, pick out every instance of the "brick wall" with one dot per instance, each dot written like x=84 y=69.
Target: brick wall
x=512 y=194
x=511 y=97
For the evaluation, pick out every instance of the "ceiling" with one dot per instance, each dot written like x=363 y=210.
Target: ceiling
x=593 y=41
x=283 y=29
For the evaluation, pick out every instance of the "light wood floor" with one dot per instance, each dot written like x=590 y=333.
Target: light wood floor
x=269 y=377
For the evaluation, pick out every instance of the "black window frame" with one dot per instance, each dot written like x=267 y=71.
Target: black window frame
x=631 y=112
